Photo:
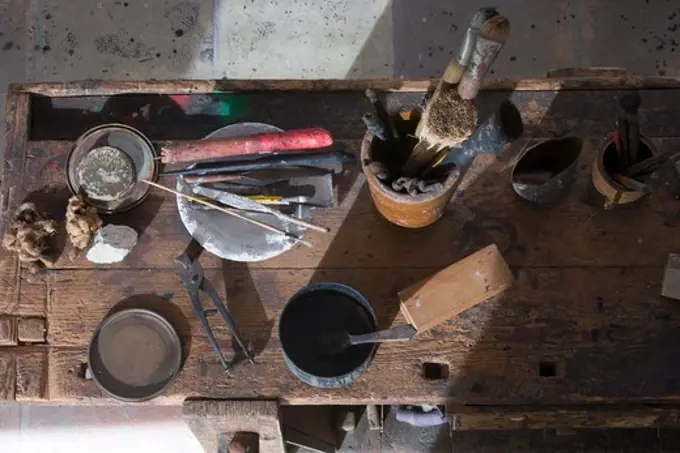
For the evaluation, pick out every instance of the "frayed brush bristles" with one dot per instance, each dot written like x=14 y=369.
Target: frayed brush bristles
x=448 y=120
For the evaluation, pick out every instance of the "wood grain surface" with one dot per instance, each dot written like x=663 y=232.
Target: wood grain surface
x=583 y=323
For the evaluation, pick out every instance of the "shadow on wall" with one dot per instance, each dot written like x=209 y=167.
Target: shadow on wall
x=416 y=40
x=123 y=40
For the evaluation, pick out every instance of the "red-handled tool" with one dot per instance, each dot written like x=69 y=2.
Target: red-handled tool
x=286 y=141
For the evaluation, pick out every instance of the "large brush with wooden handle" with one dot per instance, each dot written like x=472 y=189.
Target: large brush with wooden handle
x=490 y=41
x=277 y=142
x=451 y=115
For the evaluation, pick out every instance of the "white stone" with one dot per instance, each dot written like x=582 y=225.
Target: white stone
x=111 y=244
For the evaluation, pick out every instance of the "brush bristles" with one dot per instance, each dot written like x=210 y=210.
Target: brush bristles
x=448 y=120
x=495 y=29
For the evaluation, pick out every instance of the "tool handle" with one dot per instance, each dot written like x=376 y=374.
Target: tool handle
x=374 y=125
x=325 y=160
x=286 y=141
x=401 y=333
x=383 y=117
x=226 y=316
x=192 y=285
x=483 y=57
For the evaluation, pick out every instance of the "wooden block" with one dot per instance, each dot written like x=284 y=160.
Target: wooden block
x=671 y=277
x=462 y=285
x=209 y=420
x=8 y=331
x=32 y=330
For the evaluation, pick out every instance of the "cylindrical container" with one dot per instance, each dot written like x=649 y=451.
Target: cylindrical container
x=544 y=173
x=410 y=211
x=134 y=355
x=309 y=315
x=133 y=144
x=606 y=163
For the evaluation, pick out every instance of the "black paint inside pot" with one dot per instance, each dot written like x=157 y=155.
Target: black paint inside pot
x=612 y=162
x=308 y=317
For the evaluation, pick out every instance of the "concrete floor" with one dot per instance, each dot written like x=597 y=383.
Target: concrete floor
x=128 y=39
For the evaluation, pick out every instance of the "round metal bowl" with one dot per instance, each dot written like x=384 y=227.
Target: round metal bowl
x=232 y=238
x=134 y=355
x=134 y=144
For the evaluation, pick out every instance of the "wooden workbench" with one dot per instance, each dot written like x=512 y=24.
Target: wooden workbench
x=583 y=325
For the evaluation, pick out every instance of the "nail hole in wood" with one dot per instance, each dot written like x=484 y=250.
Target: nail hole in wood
x=434 y=370
x=547 y=369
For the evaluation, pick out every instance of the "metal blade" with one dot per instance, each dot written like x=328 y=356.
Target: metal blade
x=233 y=200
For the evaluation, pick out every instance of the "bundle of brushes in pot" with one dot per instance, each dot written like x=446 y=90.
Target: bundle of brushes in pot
x=448 y=134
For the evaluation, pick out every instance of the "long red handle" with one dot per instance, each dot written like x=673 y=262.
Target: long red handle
x=286 y=141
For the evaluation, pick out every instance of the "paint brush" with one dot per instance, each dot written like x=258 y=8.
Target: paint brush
x=630 y=103
x=454 y=71
x=374 y=125
x=490 y=41
x=447 y=121
x=622 y=145
x=424 y=153
x=383 y=118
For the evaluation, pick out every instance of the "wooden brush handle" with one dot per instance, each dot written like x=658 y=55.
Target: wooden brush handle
x=287 y=141
x=483 y=57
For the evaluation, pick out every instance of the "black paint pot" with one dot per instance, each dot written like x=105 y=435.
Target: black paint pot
x=308 y=316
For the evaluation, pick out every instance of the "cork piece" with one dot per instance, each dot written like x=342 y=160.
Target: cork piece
x=82 y=222
x=30 y=235
x=32 y=330
x=462 y=285
x=8 y=331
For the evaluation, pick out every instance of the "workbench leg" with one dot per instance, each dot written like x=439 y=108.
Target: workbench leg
x=219 y=422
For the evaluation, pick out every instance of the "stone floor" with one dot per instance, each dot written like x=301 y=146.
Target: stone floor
x=130 y=39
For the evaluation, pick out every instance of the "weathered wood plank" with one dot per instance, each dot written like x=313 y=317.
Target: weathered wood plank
x=9 y=288
x=587 y=113
x=583 y=323
x=7 y=374
x=106 y=87
x=603 y=331
x=209 y=420
x=8 y=330
x=484 y=210
x=33 y=295
x=31 y=374
x=16 y=132
x=32 y=330
x=580 y=417
x=17 y=119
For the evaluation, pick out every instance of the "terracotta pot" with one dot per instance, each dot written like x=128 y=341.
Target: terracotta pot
x=402 y=209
